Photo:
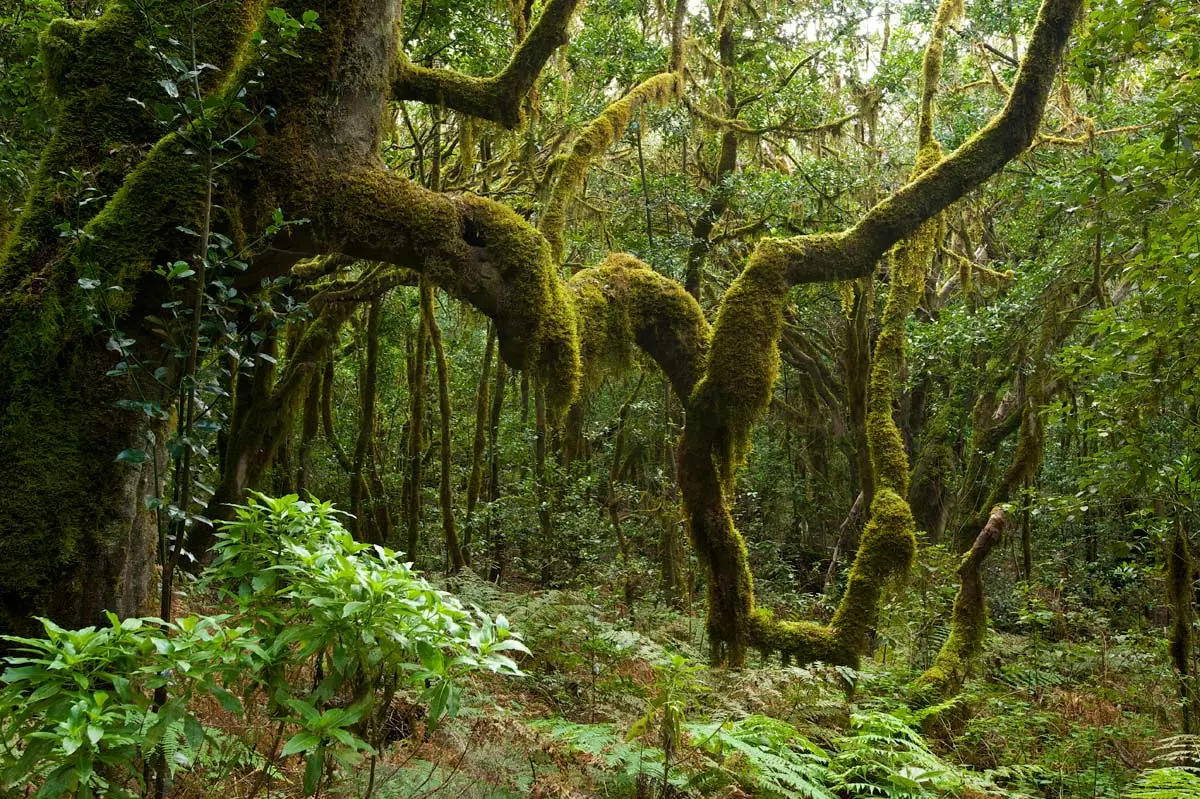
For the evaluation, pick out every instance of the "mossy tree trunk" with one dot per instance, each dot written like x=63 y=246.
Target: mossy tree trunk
x=968 y=625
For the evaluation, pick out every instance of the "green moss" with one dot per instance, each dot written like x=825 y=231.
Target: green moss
x=496 y=97
x=592 y=142
x=885 y=555
x=67 y=545
x=622 y=302
x=744 y=358
x=968 y=624
x=801 y=641
x=539 y=315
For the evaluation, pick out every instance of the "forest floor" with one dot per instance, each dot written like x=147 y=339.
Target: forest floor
x=619 y=702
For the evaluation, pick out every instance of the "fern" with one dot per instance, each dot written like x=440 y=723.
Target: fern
x=1028 y=678
x=1166 y=783
x=883 y=756
x=767 y=756
x=602 y=744
x=1180 y=750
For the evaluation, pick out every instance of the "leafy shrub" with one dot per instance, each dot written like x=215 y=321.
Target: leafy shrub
x=91 y=712
x=78 y=714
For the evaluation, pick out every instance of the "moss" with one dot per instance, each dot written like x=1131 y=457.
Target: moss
x=69 y=543
x=885 y=555
x=931 y=67
x=623 y=302
x=801 y=641
x=591 y=143
x=968 y=625
x=538 y=323
x=496 y=97
x=744 y=358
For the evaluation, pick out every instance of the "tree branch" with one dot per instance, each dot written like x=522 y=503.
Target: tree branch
x=497 y=97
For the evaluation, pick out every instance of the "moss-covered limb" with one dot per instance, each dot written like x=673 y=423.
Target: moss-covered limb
x=718 y=546
x=597 y=137
x=885 y=554
x=66 y=505
x=623 y=302
x=445 y=493
x=1179 y=595
x=1005 y=137
x=479 y=251
x=854 y=252
x=931 y=67
x=88 y=543
x=498 y=97
x=743 y=360
x=968 y=625
x=100 y=134
x=889 y=543
x=742 y=367
x=799 y=641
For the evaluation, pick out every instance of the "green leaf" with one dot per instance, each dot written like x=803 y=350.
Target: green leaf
x=312 y=772
x=302 y=741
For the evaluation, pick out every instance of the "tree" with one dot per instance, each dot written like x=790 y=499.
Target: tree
x=305 y=94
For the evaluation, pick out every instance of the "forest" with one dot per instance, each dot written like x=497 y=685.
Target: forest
x=624 y=398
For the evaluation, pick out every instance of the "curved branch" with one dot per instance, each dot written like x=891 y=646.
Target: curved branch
x=854 y=252
x=592 y=142
x=477 y=250
x=497 y=97
x=622 y=302
x=969 y=624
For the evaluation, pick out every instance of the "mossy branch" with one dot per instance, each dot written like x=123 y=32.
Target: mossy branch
x=498 y=97
x=968 y=627
x=854 y=252
x=597 y=137
x=623 y=302
x=477 y=250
